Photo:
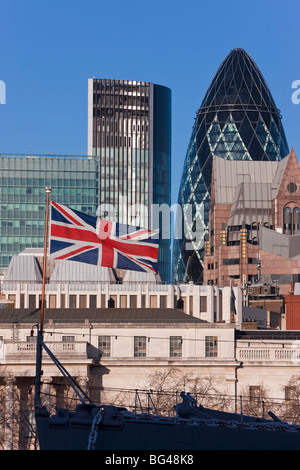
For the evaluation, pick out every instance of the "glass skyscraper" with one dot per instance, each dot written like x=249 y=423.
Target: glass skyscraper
x=23 y=179
x=129 y=134
x=237 y=120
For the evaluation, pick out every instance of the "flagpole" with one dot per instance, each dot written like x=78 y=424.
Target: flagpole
x=39 y=345
x=48 y=192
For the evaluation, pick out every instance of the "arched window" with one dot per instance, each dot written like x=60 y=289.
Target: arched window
x=287 y=220
x=296 y=220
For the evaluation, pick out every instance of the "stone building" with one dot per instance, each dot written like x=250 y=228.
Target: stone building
x=114 y=352
x=79 y=285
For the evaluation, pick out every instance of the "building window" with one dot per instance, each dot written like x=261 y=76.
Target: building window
x=254 y=392
x=93 y=301
x=52 y=301
x=296 y=220
x=203 y=303
x=287 y=220
x=82 y=301
x=290 y=393
x=133 y=301
x=292 y=187
x=68 y=343
x=211 y=346
x=175 y=346
x=140 y=346
x=72 y=301
x=231 y=261
x=68 y=339
x=123 y=301
x=32 y=301
x=104 y=346
x=291 y=220
x=31 y=339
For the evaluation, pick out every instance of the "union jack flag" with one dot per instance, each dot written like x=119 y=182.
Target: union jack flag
x=80 y=237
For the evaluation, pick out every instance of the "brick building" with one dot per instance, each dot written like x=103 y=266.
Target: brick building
x=292 y=308
x=254 y=223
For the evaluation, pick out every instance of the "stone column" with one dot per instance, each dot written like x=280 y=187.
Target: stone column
x=25 y=406
x=82 y=382
x=60 y=392
x=46 y=391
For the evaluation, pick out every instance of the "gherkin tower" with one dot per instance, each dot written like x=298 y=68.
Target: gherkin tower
x=237 y=120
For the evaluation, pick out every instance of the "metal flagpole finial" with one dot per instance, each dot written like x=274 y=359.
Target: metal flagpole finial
x=48 y=189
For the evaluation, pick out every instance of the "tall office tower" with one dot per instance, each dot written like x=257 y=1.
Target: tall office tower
x=129 y=133
x=237 y=120
x=23 y=179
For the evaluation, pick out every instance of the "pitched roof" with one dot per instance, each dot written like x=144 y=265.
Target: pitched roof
x=73 y=271
x=230 y=174
x=98 y=315
x=23 y=268
x=249 y=186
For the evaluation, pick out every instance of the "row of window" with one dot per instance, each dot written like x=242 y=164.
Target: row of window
x=69 y=199
x=27 y=209
x=20 y=191
x=80 y=178
x=291 y=220
x=175 y=346
x=90 y=301
x=140 y=342
x=122 y=141
x=231 y=261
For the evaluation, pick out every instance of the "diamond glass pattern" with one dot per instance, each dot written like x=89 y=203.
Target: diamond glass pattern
x=237 y=120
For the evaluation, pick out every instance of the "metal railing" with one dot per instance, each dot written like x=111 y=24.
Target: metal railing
x=287 y=353
x=27 y=350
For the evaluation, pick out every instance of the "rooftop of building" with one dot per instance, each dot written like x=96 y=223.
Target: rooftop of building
x=230 y=175
x=29 y=155
x=99 y=315
x=249 y=187
x=27 y=267
x=278 y=335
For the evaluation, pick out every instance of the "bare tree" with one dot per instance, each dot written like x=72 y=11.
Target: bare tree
x=256 y=400
x=167 y=384
x=290 y=412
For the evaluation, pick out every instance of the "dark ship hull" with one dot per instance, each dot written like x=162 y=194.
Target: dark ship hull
x=194 y=428
x=106 y=427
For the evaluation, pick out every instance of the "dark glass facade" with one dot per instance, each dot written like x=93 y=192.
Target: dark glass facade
x=237 y=120
x=162 y=170
x=129 y=134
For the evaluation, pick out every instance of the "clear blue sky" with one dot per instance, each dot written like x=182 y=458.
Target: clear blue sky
x=49 y=50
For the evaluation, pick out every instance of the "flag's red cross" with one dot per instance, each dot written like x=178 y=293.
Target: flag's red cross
x=81 y=232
